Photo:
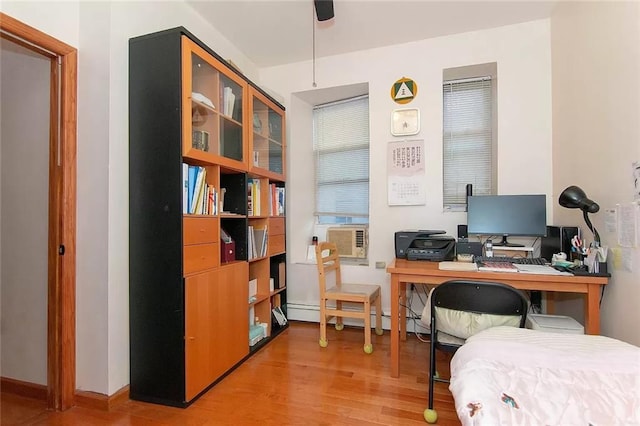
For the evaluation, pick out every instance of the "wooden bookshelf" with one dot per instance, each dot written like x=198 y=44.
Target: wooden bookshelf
x=191 y=135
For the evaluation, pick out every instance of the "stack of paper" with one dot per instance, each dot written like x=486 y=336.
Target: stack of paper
x=457 y=266
x=540 y=269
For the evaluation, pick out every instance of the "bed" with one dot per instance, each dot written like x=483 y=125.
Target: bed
x=514 y=376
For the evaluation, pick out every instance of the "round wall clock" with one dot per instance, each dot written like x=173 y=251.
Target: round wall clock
x=405 y=121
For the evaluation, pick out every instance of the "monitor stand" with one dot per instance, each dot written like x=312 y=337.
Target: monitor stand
x=505 y=243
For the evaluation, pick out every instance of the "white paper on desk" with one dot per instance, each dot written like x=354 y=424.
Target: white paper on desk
x=539 y=269
x=457 y=266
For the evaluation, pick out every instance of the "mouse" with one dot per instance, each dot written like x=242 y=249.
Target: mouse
x=561 y=268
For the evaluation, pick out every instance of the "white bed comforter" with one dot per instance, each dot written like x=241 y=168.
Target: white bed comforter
x=513 y=376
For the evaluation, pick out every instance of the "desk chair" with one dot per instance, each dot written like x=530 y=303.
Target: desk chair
x=328 y=262
x=461 y=308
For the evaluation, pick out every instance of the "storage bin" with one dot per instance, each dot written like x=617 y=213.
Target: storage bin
x=554 y=324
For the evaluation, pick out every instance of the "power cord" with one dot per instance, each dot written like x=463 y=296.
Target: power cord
x=414 y=316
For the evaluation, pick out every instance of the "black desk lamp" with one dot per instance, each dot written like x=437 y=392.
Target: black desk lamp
x=574 y=198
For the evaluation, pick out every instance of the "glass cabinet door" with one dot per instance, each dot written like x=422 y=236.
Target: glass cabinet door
x=267 y=136
x=231 y=141
x=213 y=109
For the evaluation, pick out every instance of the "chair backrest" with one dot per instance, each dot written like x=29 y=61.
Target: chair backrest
x=478 y=297
x=328 y=262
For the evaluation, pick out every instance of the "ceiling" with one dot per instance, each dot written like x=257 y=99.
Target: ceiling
x=271 y=32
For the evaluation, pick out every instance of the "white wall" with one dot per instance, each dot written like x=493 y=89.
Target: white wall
x=59 y=19
x=24 y=202
x=596 y=108
x=522 y=53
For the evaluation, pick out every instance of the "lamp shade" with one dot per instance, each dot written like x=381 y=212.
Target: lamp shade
x=574 y=198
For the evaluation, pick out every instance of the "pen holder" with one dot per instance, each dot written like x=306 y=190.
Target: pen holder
x=602 y=267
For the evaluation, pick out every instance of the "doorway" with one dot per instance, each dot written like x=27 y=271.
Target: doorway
x=61 y=240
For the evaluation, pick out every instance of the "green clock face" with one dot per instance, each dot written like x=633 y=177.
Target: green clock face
x=405 y=121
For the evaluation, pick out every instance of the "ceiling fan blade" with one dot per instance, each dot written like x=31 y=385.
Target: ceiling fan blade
x=324 y=9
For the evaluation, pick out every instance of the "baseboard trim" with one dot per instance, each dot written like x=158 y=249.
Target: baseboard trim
x=99 y=401
x=311 y=313
x=26 y=389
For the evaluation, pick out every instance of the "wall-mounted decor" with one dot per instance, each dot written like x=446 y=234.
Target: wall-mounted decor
x=404 y=90
x=405 y=122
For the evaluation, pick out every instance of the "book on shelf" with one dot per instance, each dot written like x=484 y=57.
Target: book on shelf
x=265 y=242
x=272 y=199
x=282 y=281
x=253 y=197
x=185 y=188
x=251 y=244
x=280 y=201
x=199 y=97
x=198 y=196
x=191 y=184
x=229 y=99
x=212 y=201
x=260 y=239
x=276 y=200
x=253 y=288
x=277 y=274
x=279 y=316
x=205 y=199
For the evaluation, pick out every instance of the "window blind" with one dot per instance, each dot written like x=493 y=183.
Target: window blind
x=467 y=139
x=341 y=148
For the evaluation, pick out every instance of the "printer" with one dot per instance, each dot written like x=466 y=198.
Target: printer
x=424 y=245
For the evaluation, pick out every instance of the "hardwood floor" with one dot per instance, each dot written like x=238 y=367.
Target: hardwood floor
x=291 y=381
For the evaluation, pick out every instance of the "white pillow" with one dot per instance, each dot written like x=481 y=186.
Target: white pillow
x=465 y=324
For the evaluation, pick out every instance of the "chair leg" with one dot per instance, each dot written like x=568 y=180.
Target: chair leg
x=432 y=371
x=368 y=347
x=323 y=323
x=430 y=415
x=339 y=320
x=379 y=315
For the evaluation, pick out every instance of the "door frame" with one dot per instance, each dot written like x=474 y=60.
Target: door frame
x=61 y=287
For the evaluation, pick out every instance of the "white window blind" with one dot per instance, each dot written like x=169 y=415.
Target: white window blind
x=341 y=147
x=468 y=139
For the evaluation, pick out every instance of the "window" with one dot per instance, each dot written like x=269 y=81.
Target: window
x=341 y=148
x=468 y=139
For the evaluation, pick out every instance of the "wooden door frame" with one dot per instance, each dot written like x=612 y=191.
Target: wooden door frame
x=61 y=304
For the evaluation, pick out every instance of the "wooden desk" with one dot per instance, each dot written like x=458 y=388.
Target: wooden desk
x=404 y=272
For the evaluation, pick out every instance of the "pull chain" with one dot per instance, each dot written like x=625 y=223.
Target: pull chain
x=313 y=25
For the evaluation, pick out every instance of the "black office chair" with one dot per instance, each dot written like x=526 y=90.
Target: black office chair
x=488 y=304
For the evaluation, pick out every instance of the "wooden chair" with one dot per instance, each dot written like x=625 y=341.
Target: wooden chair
x=328 y=262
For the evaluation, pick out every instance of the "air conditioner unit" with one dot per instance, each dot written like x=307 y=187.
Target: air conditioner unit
x=351 y=241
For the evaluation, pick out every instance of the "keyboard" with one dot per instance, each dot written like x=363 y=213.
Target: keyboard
x=516 y=260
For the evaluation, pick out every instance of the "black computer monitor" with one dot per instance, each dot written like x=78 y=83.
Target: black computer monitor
x=517 y=215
